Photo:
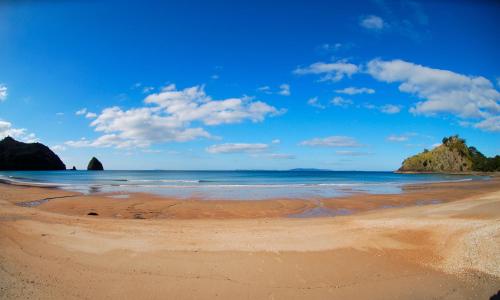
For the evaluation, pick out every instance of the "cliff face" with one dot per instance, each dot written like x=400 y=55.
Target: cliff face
x=16 y=155
x=95 y=165
x=451 y=156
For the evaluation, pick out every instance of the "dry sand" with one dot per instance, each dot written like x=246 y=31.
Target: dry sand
x=249 y=249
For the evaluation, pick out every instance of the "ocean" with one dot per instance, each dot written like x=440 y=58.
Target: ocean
x=237 y=185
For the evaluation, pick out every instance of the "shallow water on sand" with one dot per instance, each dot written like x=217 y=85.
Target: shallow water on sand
x=239 y=185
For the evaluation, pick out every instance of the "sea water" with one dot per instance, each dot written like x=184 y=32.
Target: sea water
x=238 y=185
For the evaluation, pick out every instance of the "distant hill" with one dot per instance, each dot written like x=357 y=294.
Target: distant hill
x=452 y=156
x=16 y=155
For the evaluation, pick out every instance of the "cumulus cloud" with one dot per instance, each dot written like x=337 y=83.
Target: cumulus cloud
x=355 y=91
x=6 y=129
x=441 y=91
x=314 y=102
x=284 y=90
x=331 y=141
x=169 y=116
x=237 y=148
x=329 y=71
x=3 y=92
x=90 y=115
x=341 y=102
x=372 y=22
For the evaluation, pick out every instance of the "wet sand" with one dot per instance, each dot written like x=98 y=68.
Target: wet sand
x=390 y=247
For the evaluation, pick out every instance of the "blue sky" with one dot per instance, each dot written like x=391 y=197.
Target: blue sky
x=221 y=85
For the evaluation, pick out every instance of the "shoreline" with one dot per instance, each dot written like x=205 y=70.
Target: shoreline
x=151 y=206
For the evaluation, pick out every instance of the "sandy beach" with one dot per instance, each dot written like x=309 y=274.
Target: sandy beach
x=434 y=241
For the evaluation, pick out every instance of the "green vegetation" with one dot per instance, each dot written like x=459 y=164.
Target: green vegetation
x=452 y=156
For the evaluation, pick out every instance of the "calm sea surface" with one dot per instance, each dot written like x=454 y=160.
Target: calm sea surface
x=231 y=184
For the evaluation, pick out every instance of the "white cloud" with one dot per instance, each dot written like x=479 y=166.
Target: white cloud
x=280 y=156
x=215 y=77
x=57 y=148
x=276 y=141
x=352 y=153
x=81 y=112
x=265 y=89
x=341 y=102
x=147 y=89
x=59 y=114
x=372 y=22
x=21 y=134
x=329 y=71
x=3 y=92
x=442 y=91
x=390 y=109
x=355 y=91
x=169 y=117
x=489 y=124
x=331 y=141
x=151 y=151
x=284 y=90
x=398 y=138
x=315 y=103
x=90 y=115
x=237 y=148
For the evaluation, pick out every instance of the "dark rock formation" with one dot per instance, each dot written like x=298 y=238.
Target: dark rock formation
x=16 y=155
x=95 y=165
x=73 y=169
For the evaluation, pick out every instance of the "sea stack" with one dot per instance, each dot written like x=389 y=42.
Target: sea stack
x=15 y=156
x=95 y=165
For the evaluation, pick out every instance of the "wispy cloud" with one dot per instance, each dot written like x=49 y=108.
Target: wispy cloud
x=284 y=90
x=372 y=22
x=3 y=92
x=314 y=102
x=352 y=153
x=81 y=112
x=398 y=138
x=331 y=141
x=329 y=71
x=341 y=102
x=237 y=148
x=389 y=109
x=280 y=156
x=355 y=91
